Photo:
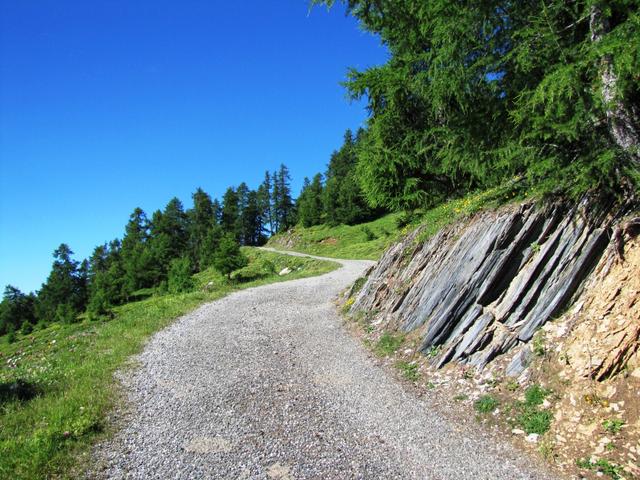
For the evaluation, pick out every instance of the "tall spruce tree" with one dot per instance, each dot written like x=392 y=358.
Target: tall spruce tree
x=63 y=296
x=201 y=218
x=230 y=218
x=106 y=278
x=310 y=202
x=265 y=197
x=283 y=206
x=137 y=258
x=168 y=238
x=251 y=217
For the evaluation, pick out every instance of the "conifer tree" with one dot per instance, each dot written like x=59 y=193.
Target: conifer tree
x=310 y=202
x=168 y=238
x=265 y=201
x=16 y=309
x=137 y=258
x=64 y=291
x=284 y=211
x=210 y=246
x=230 y=218
x=201 y=219
x=228 y=257
x=475 y=93
x=251 y=217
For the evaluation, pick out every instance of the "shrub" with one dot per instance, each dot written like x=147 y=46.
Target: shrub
x=66 y=314
x=368 y=233
x=228 y=257
x=409 y=370
x=180 y=280
x=486 y=404
x=27 y=328
x=533 y=420
x=613 y=425
x=535 y=395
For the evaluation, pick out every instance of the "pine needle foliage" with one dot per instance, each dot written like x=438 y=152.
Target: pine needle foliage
x=475 y=93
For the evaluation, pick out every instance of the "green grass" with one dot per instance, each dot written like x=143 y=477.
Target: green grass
x=602 y=466
x=364 y=241
x=57 y=384
x=409 y=370
x=388 y=344
x=613 y=425
x=531 y=418
x=486 y=404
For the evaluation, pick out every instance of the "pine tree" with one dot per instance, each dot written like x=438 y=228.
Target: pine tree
x=210 y=246
x=283 y=203
x=137 y=258
x=201 y=218
x=252 y=228
x=168 y=238
x=106 y=279
x=310 y=202
x=17 y=309
x=475 y=93
x=228 y=257
x=64 y=290
x=230 y=218
x=265 y=197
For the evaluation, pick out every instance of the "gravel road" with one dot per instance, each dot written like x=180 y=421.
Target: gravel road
x=267 y=384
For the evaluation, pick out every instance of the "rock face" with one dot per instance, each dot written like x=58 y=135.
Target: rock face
x=482 y=287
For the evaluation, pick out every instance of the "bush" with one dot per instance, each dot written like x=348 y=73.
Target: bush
x=535 y=395
x=180 y=280
x=533 y=420
x=228 y=257
x=27 y=328
x=486 y=404
x=11 y=335
x=65 y=313
x=98 y=305
x=368 y=233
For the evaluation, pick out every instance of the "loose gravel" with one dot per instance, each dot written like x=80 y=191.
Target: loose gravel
x=267 y=384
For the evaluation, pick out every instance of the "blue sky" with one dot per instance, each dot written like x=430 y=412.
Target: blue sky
x=110 y=105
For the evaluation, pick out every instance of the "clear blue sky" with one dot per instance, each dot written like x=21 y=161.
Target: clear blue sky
x=109 y=105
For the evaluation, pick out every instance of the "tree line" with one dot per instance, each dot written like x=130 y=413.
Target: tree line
x=160 y=253
x=336 y=197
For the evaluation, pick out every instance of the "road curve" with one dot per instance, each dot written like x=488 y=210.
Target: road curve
x=266 y=384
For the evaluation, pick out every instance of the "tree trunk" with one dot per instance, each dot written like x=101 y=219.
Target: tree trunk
x=622 y=120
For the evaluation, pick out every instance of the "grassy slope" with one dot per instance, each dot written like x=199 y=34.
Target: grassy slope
x=370 y=240
x=70 y=369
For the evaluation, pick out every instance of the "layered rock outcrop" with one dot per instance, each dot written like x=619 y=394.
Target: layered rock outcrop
x=483 y=286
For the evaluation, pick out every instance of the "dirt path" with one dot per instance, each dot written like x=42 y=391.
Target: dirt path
x=267 y=384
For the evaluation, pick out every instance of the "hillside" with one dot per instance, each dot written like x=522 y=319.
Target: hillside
x=57 y=385
x=526 y=314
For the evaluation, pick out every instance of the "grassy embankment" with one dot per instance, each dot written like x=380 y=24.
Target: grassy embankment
x=369 y=240
x=57 y=384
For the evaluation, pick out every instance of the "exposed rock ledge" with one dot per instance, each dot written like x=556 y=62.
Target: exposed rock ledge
x=483 y=286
